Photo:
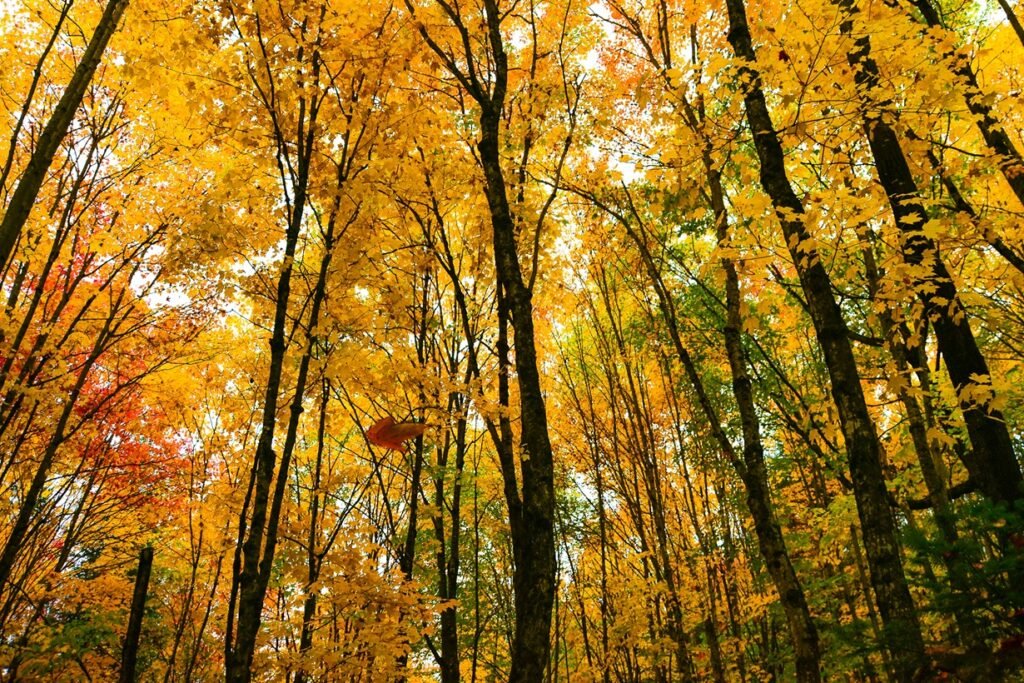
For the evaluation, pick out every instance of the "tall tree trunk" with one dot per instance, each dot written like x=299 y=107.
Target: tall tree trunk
x=803 y=633
x=24 y=196
x=28 y=504
x=130 y=651
x=1010 y=162
x=864 y=452
x=533 y=537
x=250 y=584
x=991 y=461
x=932 y=468
x=407 y=554
x=752 y=469
x=531 y=506
x=261 y=512
x=314 y=559
x=448 y=551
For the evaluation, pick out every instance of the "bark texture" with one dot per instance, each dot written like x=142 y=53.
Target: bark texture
x=990 y=461
x=864 y=453
x=56 y=129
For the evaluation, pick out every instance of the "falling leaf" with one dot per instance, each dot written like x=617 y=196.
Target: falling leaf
x=387 y=433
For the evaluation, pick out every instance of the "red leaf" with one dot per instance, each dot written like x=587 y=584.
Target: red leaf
x=387 y=433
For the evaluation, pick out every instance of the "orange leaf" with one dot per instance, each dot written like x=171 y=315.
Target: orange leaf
x=387 y=433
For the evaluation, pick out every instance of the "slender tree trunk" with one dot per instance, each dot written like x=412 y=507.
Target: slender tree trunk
x=864 y=583
x=991 y=460
x=602 y=526
x=186 y=606
x=864 y=452
x=1014 y=20
x=803 y=633
x=24 y=196
x=711 y=633
x=932 y=469
x=27 y=507
x=588 y=416
x=254 y=563
x=197 y=641
x=1009 y=161
x=313 y=558
x=960 y=204
x=130 y=651
x=534 y=574
x=531 y=514
x=250 y=586
x=448 y=553
x=23 y=117
x=752 y=469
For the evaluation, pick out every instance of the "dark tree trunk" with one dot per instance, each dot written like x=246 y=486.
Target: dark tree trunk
x=407 y=555
x=261 y=541
x=531 y=506
x=314 y=559
x=1014 y=20
x=251 y=580
x=752 y=468
x=803 y=632
x=1010 y=162
x=130 y=651
x=991 y=461
x=960 y=204
x=448 y=553
x=24 y=196
x=30 y=501
x=533 y=537
x=932 y=469
x=864 y=453
x=257 y=544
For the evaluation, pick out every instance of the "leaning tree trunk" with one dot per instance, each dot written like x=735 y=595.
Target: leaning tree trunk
x=751 y=469
x=991 y=461
x=31 y=498
x=803 y=632
x=24 y=196
x=932 y=470
x=1010 y=162
x=864 y=451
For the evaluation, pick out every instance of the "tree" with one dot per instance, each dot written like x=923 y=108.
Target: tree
x=863 y=450
x=656 y=437
x=19 y=205
x=484 y=77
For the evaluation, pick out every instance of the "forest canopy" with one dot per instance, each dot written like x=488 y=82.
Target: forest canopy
x=525 y=340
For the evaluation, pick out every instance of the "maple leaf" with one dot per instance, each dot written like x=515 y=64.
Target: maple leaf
x=387 y=433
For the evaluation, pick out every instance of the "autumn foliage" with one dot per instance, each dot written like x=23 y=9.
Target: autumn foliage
x=534 y=341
